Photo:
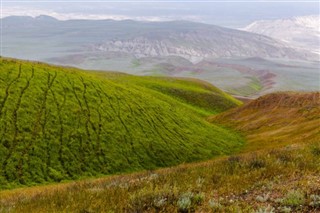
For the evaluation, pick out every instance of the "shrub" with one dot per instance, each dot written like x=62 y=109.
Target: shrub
x=198 y=198
x=267 y=209
x=256 y=163
x=315 y=149
x=146 y=200
x=200 y=181
x=232 y=163
x=285 y=209
x=284 y=157
x=185 y=202
x=214 y=205
x=263 y=198
x=160 y=202
x=315 y=200
x=188 y=201
x=294 y=198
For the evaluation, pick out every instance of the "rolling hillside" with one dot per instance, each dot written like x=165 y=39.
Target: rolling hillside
x=63 y=123
x=276 y=119
x=284 y=178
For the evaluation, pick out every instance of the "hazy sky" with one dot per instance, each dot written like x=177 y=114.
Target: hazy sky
x=224 y=13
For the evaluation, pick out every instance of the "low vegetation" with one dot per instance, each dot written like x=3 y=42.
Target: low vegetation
x=281 y=180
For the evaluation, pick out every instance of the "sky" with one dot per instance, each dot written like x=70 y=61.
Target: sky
x=234 y=13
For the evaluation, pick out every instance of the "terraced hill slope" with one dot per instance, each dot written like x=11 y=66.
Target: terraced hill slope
x=276 y=119
x=62 y=123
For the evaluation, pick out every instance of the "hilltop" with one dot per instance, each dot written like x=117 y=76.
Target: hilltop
x=59 y=123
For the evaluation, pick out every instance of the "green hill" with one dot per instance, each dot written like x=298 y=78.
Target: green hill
x=63 y=123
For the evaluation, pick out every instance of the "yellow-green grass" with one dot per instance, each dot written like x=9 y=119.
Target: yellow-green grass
x=282 y=179
x=59 y=123
x=199 y=95
x=275 y=120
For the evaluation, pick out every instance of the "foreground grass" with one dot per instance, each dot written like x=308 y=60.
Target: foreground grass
x=281 y=180
x=61 y=123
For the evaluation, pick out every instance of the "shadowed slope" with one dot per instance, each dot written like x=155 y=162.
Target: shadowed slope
x=276 y=119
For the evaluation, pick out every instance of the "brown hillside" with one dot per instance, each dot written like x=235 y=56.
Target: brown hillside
x=276 y=119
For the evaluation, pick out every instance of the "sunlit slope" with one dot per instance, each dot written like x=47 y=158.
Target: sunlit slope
x=200 y=95
x=62 y=123
x=276 y=119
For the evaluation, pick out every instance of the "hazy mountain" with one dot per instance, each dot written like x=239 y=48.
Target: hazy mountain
x=193 y=41
x=302 y=31
x=176 y=48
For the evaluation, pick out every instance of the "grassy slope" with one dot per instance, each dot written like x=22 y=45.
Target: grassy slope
x=198 y=95
x=62 y=123
x=282 y=179
x=276 y=119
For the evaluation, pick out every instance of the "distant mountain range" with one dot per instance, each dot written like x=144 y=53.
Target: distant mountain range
x=195 y=42
x=192 y=41
x=239 y=62
x=301 y=31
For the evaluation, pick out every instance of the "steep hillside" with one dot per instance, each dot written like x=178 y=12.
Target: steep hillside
x=276 y=119
x=62 y=123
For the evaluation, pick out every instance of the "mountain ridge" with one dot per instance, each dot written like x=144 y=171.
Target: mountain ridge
x=190 y=40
